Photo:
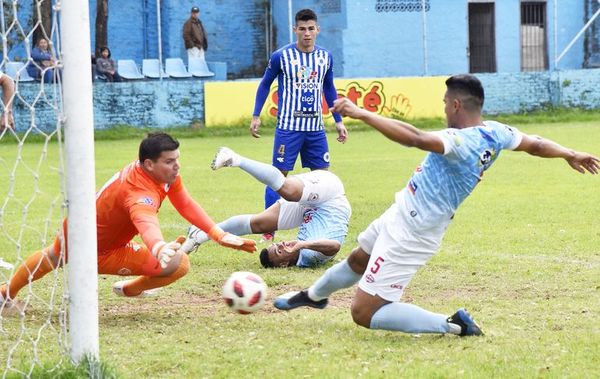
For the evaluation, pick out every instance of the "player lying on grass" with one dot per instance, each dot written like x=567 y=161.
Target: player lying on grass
x=401 y=240
x=127 y=205
x=314 y=202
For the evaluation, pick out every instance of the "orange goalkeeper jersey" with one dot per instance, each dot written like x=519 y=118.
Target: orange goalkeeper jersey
x=128 y=205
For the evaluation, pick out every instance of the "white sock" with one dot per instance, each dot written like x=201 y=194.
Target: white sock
x=263 y=172
x=238 y=225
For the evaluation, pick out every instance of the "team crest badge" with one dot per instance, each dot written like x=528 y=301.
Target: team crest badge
x=145 y=200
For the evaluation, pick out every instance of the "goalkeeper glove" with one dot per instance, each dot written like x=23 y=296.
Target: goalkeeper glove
x=164 y=251
x=229 y=240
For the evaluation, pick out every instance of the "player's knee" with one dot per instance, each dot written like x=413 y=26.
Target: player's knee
x=291 y=190
x=178 y=266
x=184 y=265
x=358 y=260
x=360 y=314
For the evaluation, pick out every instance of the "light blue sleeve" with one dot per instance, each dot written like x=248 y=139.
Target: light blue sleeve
x=312 y=258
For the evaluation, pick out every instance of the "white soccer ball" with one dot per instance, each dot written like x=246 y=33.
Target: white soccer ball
x=244 y=292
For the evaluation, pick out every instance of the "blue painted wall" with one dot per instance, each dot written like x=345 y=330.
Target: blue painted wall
x=236 y=31
x=368 y=38
x=181 y=102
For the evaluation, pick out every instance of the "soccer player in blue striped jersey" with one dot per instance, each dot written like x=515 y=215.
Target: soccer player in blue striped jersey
x=304 y=73
x=409 y=233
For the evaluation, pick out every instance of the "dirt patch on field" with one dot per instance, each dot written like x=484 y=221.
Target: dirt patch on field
x=187 y=304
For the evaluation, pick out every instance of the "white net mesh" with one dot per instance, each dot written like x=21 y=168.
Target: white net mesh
x=32 y=190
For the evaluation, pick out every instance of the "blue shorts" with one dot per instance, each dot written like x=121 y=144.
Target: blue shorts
x=312 y=147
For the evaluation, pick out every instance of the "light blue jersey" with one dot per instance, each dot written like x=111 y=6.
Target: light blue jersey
x=443 y=181
x=328 y=220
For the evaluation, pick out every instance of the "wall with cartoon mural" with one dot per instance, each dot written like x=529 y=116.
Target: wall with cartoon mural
x=397 y=97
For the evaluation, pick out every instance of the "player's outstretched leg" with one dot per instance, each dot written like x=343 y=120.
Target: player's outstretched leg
x=238 y=225
x=410 y=318
x=262 y=172
x=335 y=278
x=145 y=285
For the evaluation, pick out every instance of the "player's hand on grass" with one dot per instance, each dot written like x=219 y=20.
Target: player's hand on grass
x=229 y=240
x=342 y=132
x=254 y=126
x=583 y=161
x=165 y=251
x=346 y=108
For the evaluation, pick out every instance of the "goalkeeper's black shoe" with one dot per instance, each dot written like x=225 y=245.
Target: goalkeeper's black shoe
x=297 y=299
x=468 y=326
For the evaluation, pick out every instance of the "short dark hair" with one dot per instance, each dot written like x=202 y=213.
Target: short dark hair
x=105 y=48
x=154 y=144
x=264 y=258
x=470 y=88
x=306 y=15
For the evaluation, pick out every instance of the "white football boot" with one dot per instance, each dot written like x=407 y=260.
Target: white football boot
x=225 y=157
x=118 y=289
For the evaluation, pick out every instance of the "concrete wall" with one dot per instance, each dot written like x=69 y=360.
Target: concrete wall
x=182 y=102
x=368 y=38
x=235 y=29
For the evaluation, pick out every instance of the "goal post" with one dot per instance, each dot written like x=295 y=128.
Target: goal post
x=80 y=179
x=47 y=173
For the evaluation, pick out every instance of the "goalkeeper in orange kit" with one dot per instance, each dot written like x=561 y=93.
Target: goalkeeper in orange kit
x=127 y=205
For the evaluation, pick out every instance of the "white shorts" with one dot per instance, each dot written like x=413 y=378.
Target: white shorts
x=319 y=186
x=396 y=251
x=195 y=52
x=291 y=215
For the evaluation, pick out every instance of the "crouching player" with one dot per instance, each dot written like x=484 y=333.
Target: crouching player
x=314 y=202
x=127 y=205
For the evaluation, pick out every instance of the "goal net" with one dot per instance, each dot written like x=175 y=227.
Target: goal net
x=36 y=181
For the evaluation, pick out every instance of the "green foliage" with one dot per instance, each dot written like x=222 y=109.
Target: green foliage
x=521 y=254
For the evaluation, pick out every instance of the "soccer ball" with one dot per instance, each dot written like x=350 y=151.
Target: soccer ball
x=244 y=292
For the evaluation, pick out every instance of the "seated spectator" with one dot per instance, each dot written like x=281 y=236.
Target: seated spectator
x=43 y=63
x=106 y=66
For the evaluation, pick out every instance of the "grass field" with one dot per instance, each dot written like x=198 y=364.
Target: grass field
x=522 y=254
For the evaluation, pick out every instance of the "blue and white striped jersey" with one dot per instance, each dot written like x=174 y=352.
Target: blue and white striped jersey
x=303 y=79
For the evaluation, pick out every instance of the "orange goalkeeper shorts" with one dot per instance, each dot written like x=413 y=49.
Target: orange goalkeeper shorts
x=131 y=259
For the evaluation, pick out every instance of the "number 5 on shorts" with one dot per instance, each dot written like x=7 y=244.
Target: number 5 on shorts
x=377 y=265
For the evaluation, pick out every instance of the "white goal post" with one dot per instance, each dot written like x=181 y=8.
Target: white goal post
x=47 y=173
x=80 y=177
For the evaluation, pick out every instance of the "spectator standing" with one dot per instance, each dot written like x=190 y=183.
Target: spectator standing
x=194 y=35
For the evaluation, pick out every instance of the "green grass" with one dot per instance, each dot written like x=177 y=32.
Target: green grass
x=550 y=115
x=522 y=254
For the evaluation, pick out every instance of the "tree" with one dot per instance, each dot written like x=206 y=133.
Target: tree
x=101 y=25
x=42 y=20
